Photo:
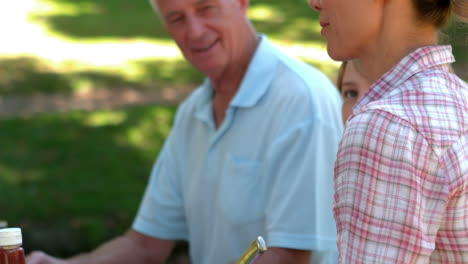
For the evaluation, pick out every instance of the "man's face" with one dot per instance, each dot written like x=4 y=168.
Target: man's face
x=206 y=31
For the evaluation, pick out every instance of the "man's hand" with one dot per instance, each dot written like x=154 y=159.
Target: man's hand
x=133 y=247
x=39 y=257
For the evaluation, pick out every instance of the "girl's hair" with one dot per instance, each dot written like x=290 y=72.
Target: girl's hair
x=438 y=12
x=339 y=79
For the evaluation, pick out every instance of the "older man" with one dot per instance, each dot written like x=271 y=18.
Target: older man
x=251 y=151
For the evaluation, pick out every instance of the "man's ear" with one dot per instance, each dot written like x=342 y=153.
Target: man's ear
x=243 y=4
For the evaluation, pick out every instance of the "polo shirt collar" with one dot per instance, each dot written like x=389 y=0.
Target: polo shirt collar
x=203 y=110
x=254 y=85
x=258 y=76
x=417 y=61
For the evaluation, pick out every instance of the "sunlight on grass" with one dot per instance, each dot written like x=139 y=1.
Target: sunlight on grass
x=10 y=176
x=158 y=123
x=29 y=37
x=315 y=52
x=330 y=69
x=264 y=12
x=48 y=7
x=65 y=53
x=301 y=27
x=105 y=118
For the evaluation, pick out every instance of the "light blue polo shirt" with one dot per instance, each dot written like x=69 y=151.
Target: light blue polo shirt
x=267 y=170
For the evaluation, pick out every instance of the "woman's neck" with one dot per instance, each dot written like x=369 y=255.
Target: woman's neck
x=398 y=38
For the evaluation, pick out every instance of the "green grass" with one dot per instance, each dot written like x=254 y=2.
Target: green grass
x=73 y=180
x=90 y=19
x=28 y=75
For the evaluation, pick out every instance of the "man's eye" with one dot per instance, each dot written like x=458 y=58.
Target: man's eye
x=350 y=94
x=208 y=8
x=176 y=19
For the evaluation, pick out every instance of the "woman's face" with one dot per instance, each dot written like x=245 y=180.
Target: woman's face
x=353 y=88
x=349 y=26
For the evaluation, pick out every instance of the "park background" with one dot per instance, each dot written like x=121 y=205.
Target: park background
x=88 y=92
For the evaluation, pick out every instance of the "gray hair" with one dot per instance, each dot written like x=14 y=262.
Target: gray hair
x=155 y=7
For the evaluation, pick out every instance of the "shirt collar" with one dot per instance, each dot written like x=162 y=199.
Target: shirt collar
x=258 y=76
x=417 y=61
x=203 y=108
x=254 y=85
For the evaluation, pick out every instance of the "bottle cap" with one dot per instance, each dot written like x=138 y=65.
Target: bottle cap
x=10 y=237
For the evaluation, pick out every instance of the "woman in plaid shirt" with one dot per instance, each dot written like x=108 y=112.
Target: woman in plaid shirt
x=401 y=176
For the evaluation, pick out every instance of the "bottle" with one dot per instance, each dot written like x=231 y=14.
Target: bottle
x=11 y=251
x=257 y=247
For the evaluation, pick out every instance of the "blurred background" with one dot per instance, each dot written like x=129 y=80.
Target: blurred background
x=88 y=91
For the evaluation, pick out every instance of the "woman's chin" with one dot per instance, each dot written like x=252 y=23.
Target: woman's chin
x=338 y=55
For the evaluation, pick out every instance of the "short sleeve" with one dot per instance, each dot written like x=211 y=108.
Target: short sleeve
x=161 y=212
x=299 y=212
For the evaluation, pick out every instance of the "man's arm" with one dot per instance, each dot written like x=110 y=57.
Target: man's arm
x=133 y=247
x=284 y=256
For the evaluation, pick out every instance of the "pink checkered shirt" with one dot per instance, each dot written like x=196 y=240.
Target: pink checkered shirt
x=401 y=175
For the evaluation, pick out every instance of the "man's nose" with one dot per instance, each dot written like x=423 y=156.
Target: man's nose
x=316 y=4
x=196 y=28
